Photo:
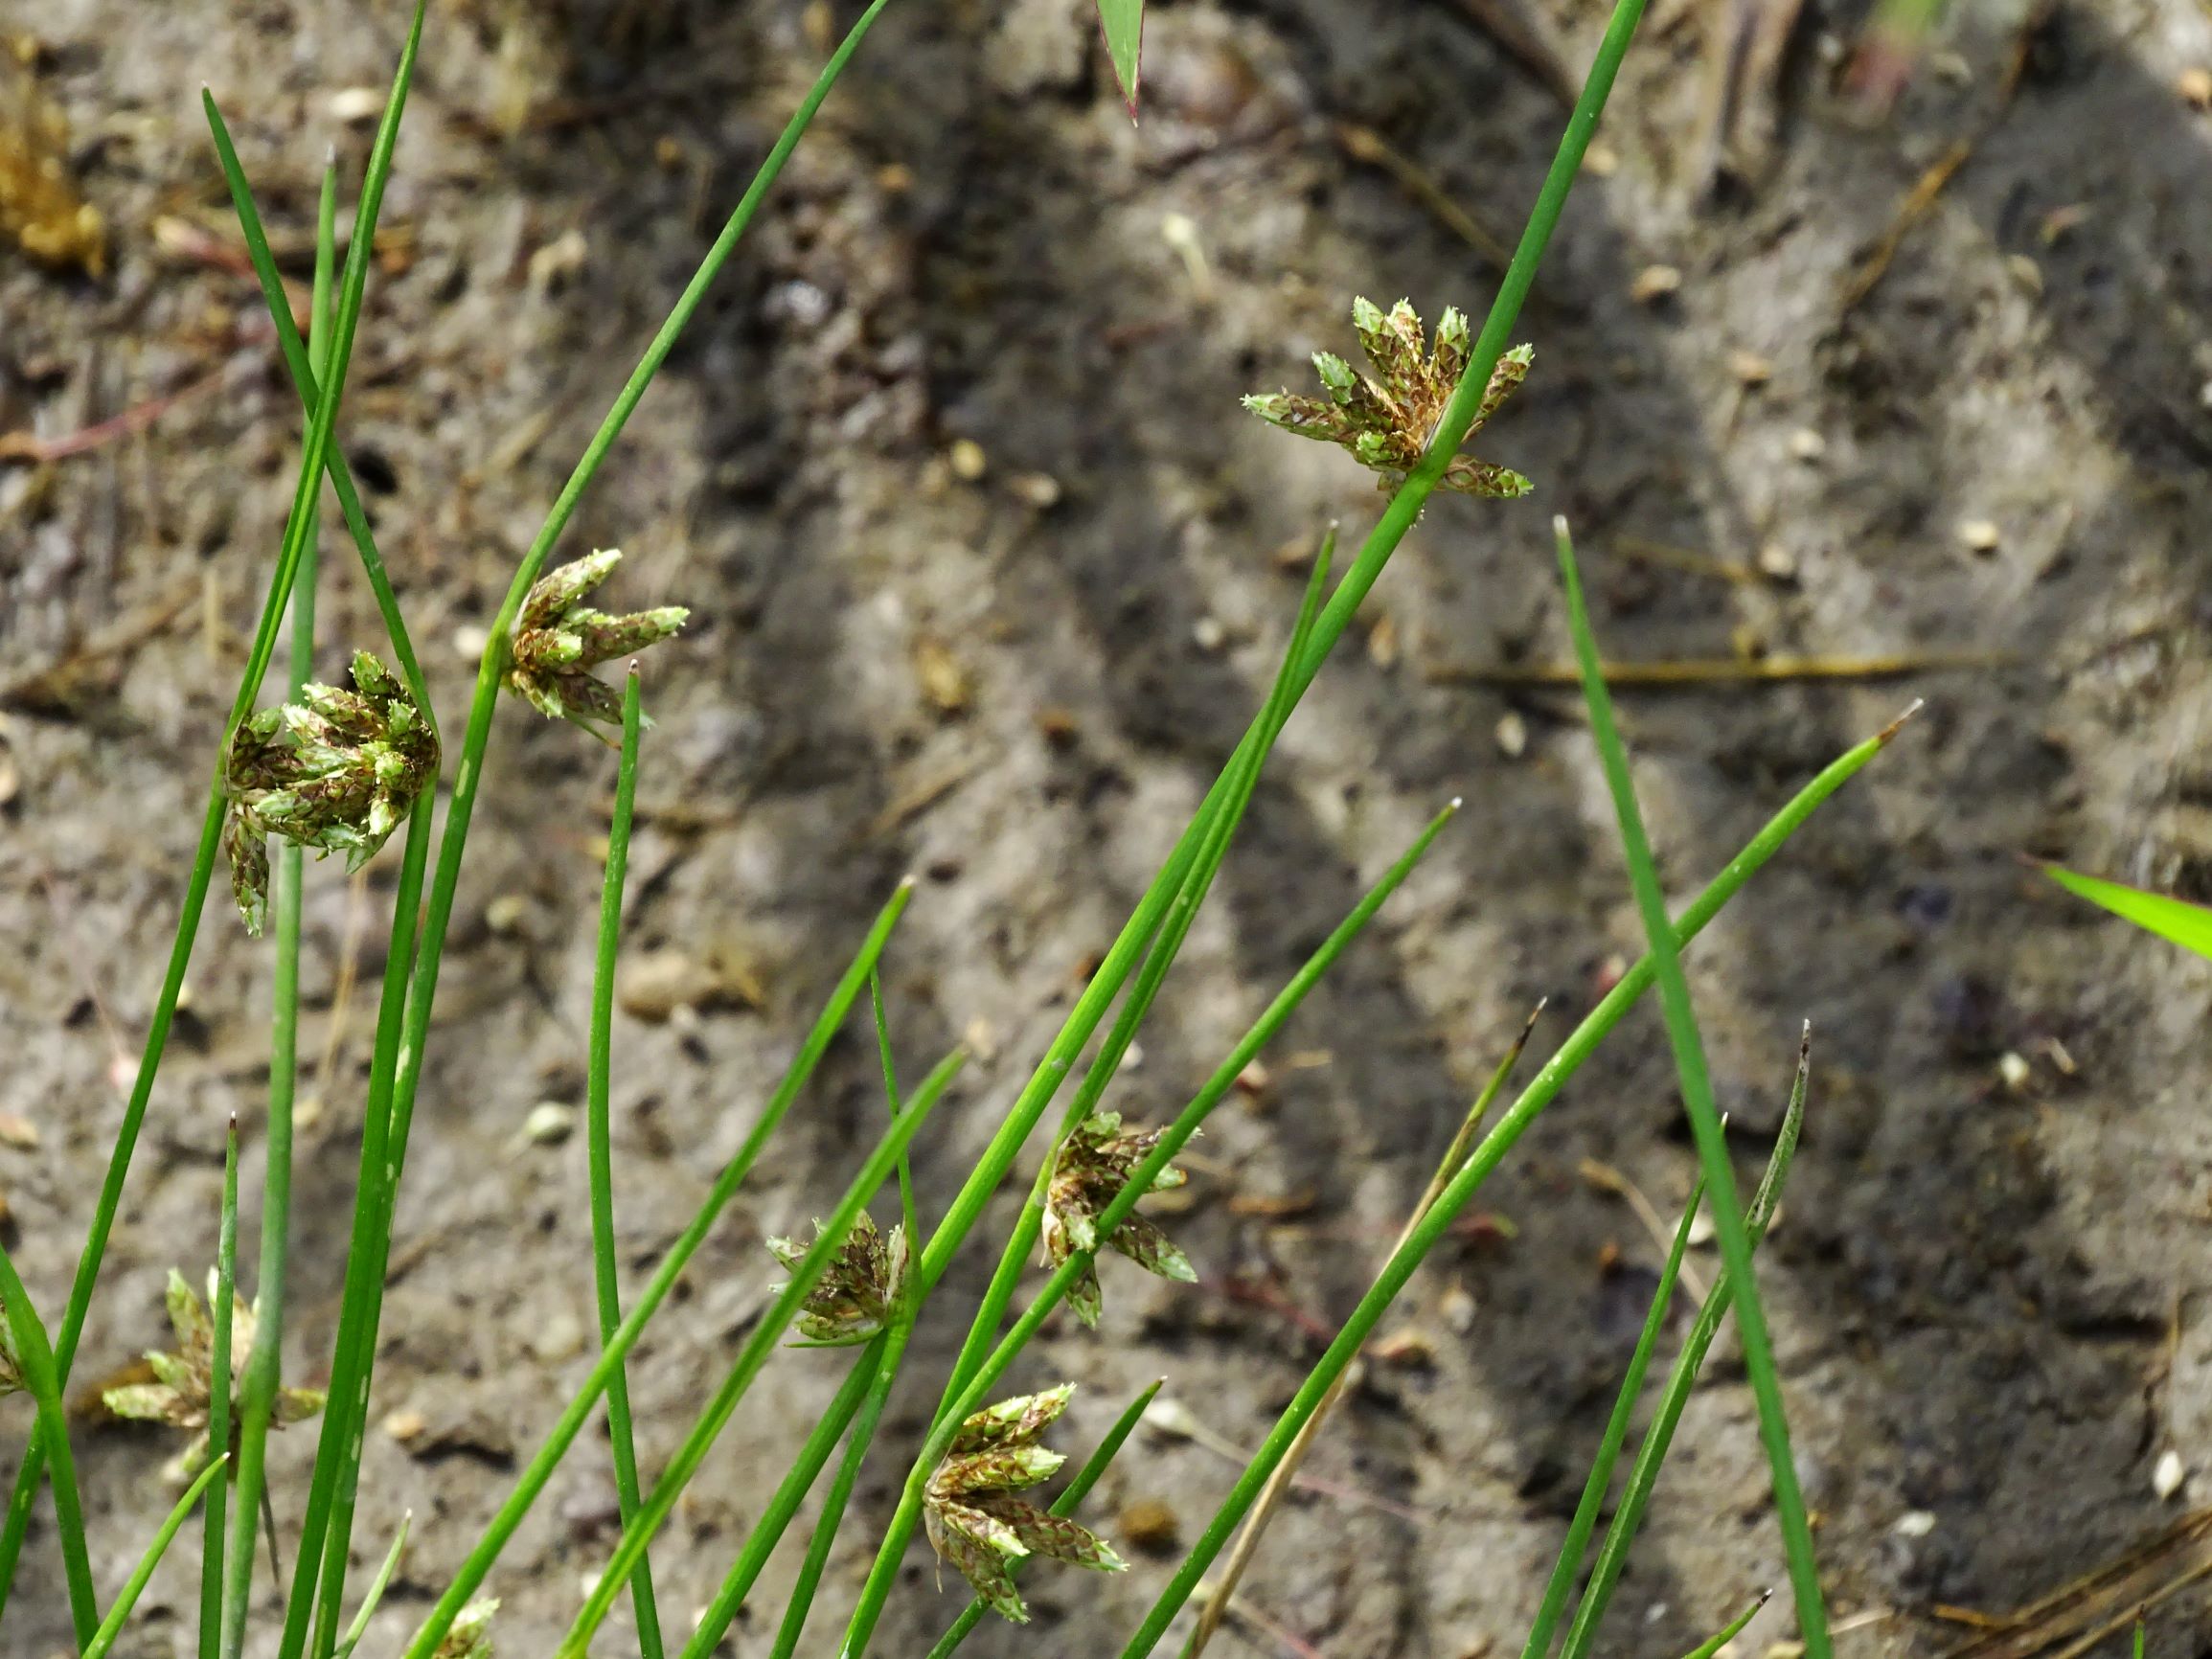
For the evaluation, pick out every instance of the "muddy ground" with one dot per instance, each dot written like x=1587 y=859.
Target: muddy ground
x=1987 y=1296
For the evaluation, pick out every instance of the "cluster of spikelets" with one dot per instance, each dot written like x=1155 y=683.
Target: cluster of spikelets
x=338 y=770
x=1388 y=423
x=182 y=1393
x=852 y=1299
x=977 y=1521
x=1093 y=1165
x=558 y=640
x=335 y=771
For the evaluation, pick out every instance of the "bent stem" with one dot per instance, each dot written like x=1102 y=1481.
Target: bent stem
x=1705 y=1118
x=41 y=1379
x=134 y=1586
x=1224 y=1590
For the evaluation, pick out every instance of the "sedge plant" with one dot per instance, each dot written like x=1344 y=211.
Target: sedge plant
x=347 y=767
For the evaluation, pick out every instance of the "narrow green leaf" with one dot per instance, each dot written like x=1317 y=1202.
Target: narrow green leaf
x=1729 y=1632
x=218 y=1409
x=1704 y=1117
x=134 y=1586
x=375 y=1594
x=1123 y=24
x=2174 y=919
x=34 y=1359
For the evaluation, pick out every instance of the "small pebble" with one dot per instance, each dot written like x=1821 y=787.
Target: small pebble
x=1702 y=1229
x=503 y=914
x=1654 y=283
x=1207 y=633
x=1458 y=1309
x=1132 y=1056
x=1979 y=535
x=403 y=1425
x=1807 y=444
x=1512 y=735
x=968 y=461
x=1601 y=160
x=1150 y=1525
x=2167 y=1476
x=549 y=1122
x=19 y=1132
x=944 y=681
x=2013 y=1068
x=982 y=1039
x=357 y=105
x=2195 y=85
x=1777 y=562
x=1915 y=1524
x=1382 y=642
x=1037 y=490
x=469 y=640
x=1749 y=368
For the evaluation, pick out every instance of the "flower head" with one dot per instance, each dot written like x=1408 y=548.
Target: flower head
x=852 y=1299
x=469 y=1635
x=975 y=1522
x=335 y=771
x=181 y=1396
x=1389 y=423
x=558 y=639
x=1093 y=1166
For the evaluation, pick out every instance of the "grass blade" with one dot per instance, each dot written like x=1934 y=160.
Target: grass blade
x=34 y=1359
x=599 y=1139
x=1140 y=1181
x=1729 y=1632
x=901 y=1331
x=1569 y=1565
x=1123 y=24
x=1541 y=1090
x=2175 y=920
x=1217 y=1607
x=759 y=1345
x=218 y=1408
x=375 y=1594
x=1705 y=1118
x=1066 y=1504
x=111 y=1627
x=307 y=364
x=1659 y=1438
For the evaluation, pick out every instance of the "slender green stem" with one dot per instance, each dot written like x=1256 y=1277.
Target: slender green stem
x=1704 y=1119
x=134 y=1586
x=219 y=1405
x=306 y=364
x=1220 y=820
x=260 y=1380
x=876 y=1591
x=1485 y=1157
x=1729 y=1632
x=374 y=1593
x=784 y=1503
x=357 y=1364
x=1077 y=1489
x=599 y=1139
x=1569 y=1565
x=34 y=1359
x=1247 y=1544
x=754 y=1354
x=801 y=1601
x=571 y=1421
x=1651 y=1454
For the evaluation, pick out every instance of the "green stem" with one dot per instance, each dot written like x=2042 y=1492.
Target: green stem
x=751 y=1357
x=801 y=1601
x=1494 y=1146
x=1065 y=1504
x=40 y=1378
x=987 y=1373
x=1704 y=1119
x=1651 y=1454
x=218 y=1408
x=1729 y=1632
x=134 y=1586
x=259 y=1382
x=599 y=1140
x=1569 y=1565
